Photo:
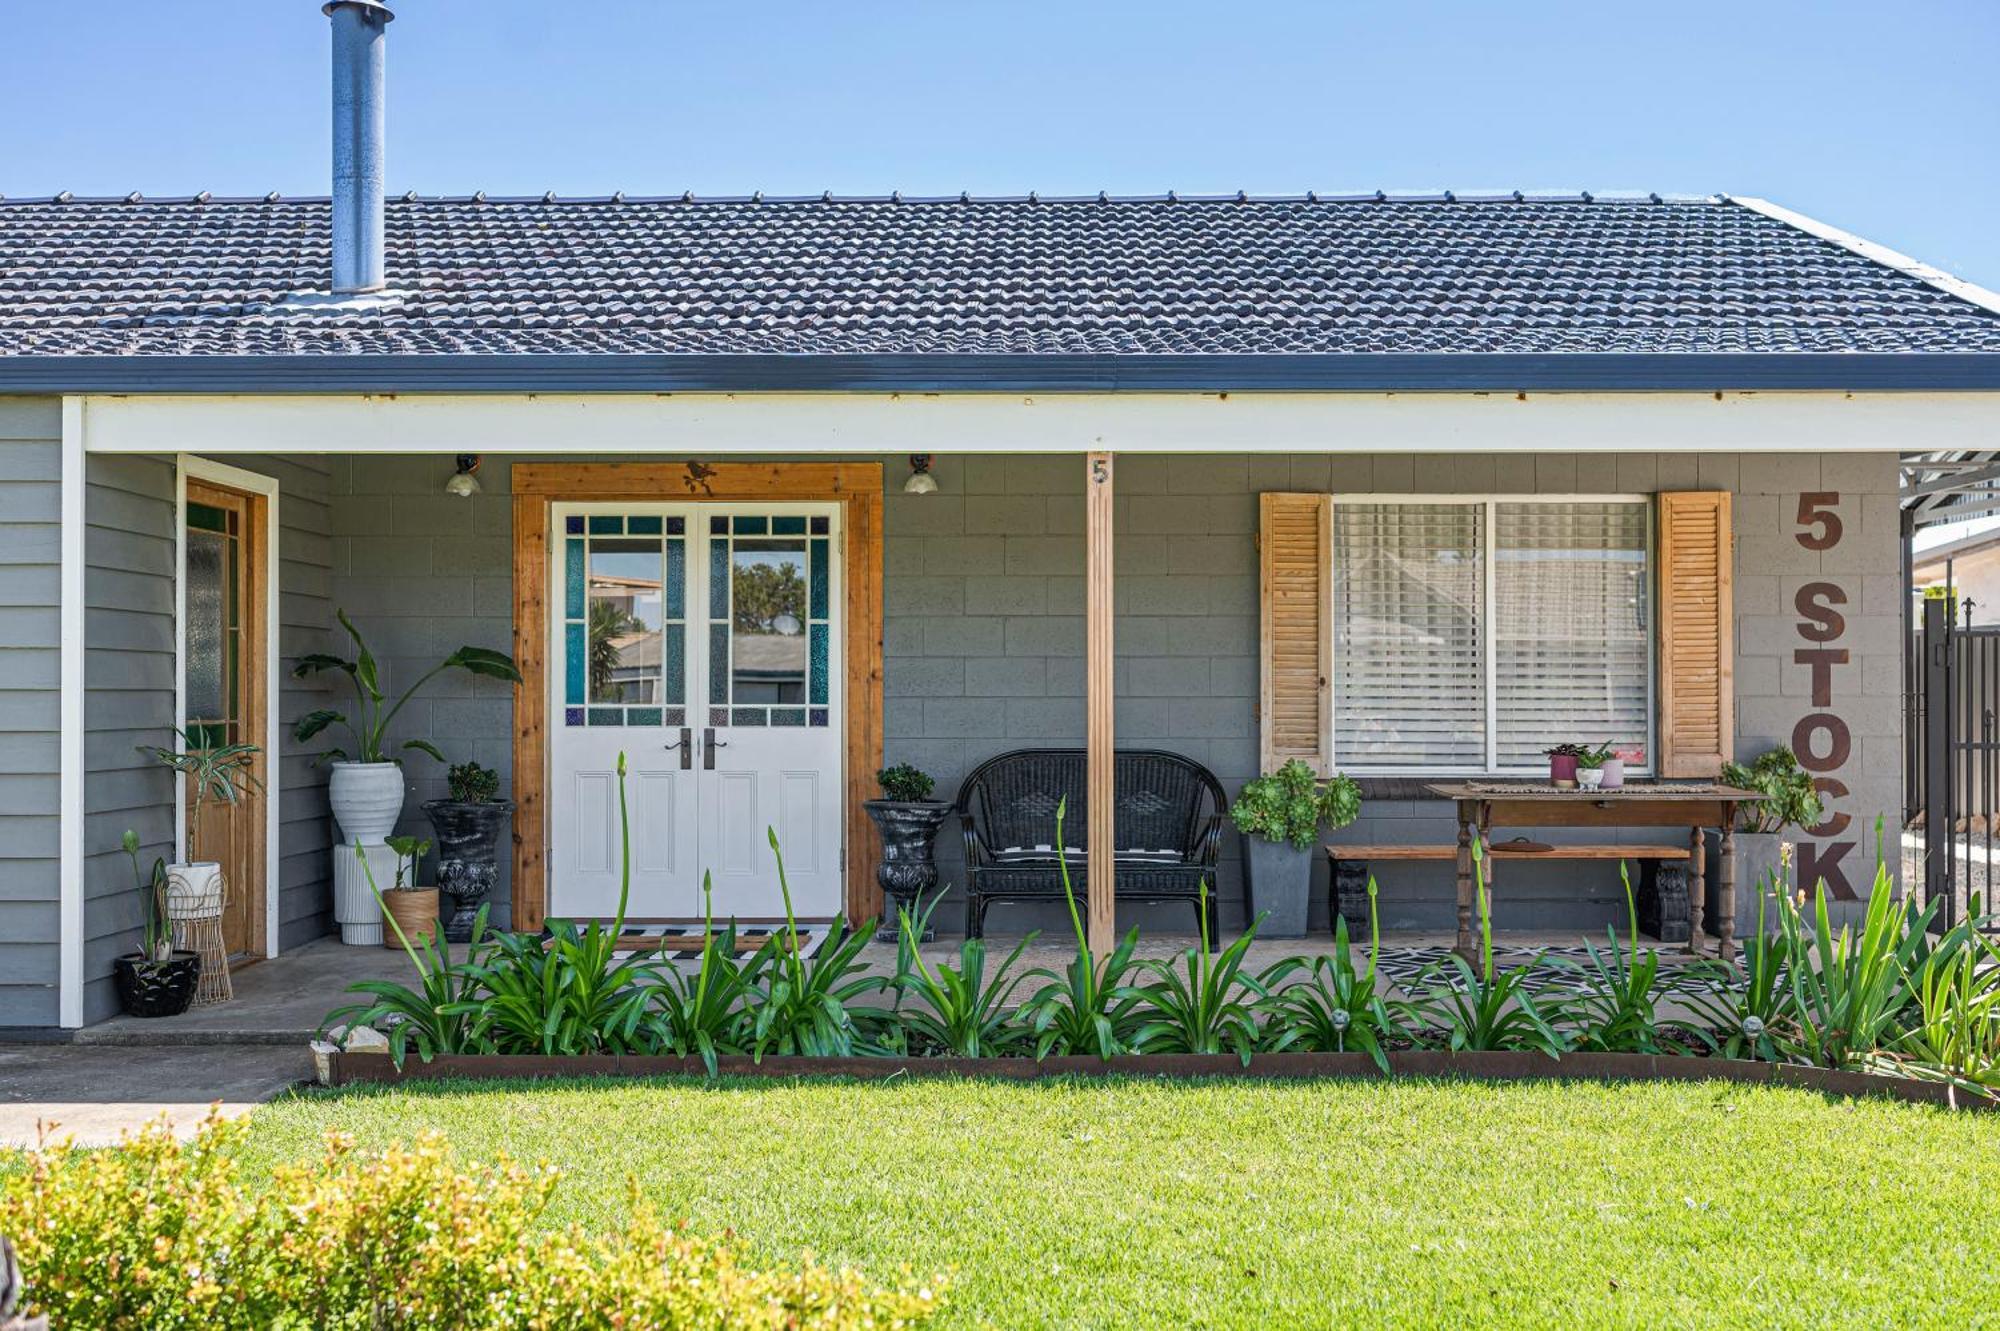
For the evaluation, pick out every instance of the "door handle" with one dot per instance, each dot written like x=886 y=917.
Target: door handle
x=709 y=744
x=685 y=744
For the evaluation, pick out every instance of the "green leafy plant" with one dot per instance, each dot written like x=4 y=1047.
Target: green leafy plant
x=219 y=773
x=1790 y=799
x=1753 y=1019
x=443 y=1014
x=1334 y=1007
x=701 y=1015
x=1209 y=1009
x=373 y=713
x=962 y=1011
x=608 y=623
x=905 y=784
x=1292 y=803
x=469 y=783
x=1616 y=1013
x=1956 y=1036
x=1090 y=1008
x=176 y=1236
x=407 y=850
x=1849 y=989
x=158 y=944
x=1486 y=1008
x=808 y=1005
x=573 y=994
x=1588 y=757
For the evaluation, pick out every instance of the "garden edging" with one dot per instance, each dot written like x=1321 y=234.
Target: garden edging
x=341 y=1068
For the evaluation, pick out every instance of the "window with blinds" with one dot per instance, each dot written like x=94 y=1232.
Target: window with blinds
x=1470 y=635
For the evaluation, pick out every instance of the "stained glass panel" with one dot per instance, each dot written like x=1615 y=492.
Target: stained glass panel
x=819 y=580
x=573 y=579
x=821 y=645
x=788 y=525
x=643 y=524
x=747 y=525
x=788 y=716
x=602 y=524
x=819 y=716
x=574 y=652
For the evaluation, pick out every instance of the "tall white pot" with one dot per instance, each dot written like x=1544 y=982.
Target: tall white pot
x=367 y=799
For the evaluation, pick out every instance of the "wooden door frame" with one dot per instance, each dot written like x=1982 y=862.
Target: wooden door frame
x=261 y=599
x=855 y=486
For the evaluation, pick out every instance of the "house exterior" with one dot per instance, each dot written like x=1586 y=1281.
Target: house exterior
x=1968 y=569
x=1406 y=487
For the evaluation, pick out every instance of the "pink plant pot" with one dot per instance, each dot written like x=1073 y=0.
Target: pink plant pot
x=1614 y=774
x=1562 y=768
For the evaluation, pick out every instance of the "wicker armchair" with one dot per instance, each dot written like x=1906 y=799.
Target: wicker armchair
x=1168 y=824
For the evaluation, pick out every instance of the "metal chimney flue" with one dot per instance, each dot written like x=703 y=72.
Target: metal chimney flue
x=359 y=130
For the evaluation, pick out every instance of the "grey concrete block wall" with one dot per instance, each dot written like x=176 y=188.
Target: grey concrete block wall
x=30 y=708
x=422 y=573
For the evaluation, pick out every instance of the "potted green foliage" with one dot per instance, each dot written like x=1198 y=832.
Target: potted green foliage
x=1592 y=765
x=1791 y=802
x=908 y=819
x=366 y=788
x=468 y=822
x=1279 y=815
x=215 y=773
x=157 y=980
x=413 y=908
x=1562 y=764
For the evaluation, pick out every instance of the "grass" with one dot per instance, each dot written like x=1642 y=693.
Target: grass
x=1255 y=1204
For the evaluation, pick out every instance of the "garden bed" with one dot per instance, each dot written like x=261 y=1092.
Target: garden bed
x=340 y=1068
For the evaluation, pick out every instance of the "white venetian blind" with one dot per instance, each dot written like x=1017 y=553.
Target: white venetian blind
x=1408 y=606
x=1571 y=627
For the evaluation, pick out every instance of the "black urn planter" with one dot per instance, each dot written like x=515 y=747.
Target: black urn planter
x=906 y=871
x=467 y=865
x=149 y=988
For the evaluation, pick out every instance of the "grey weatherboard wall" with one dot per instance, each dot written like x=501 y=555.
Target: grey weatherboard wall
x=983 y=628
x=30 y=708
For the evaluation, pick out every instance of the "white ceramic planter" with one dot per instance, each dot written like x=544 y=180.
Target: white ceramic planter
x=194 y=891
x=1590 y=778
x=367 y=799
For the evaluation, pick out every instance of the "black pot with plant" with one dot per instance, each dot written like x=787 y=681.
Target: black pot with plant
x=157 y=980
x=468 y=822
x=1279 y=815
x=908 y=819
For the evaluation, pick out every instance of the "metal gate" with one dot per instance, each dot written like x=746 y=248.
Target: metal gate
x=1951 y=770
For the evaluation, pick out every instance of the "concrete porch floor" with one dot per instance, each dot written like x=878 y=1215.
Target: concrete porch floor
x=283 y=1001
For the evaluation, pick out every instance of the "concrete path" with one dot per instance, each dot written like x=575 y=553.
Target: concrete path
x=97 y=1094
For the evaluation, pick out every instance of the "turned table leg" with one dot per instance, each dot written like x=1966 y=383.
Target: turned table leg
x=1725 y=928
x=1697 y=887
x=1464 y=945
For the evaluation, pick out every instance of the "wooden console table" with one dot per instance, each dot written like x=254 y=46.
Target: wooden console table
x=1695 y=805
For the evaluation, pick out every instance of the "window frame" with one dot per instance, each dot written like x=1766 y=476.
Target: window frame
x=1488 y=663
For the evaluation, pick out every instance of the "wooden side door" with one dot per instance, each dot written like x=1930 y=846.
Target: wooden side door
x=223 y=657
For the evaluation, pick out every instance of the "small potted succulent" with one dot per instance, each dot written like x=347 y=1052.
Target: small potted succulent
x=1790 y=801
x=366 y=787
x=1279 y=815
x=908 y=819
x=1593 y=767
x=1562 y=764
x=413 y=909
x=157 y=980
x=468 y=823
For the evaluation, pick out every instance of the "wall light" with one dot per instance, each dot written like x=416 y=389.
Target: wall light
x=465 y=481
x=921 y=481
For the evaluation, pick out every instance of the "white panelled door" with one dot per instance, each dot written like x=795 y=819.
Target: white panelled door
x=703 y=641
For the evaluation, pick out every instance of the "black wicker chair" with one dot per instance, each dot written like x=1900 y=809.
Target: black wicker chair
x=1168 y=824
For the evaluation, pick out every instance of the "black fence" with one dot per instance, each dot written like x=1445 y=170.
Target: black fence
x=1951 y=773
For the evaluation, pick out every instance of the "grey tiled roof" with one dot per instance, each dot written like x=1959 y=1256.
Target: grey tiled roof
x=1119 y=276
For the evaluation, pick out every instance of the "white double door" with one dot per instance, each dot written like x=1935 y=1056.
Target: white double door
x=703 y=642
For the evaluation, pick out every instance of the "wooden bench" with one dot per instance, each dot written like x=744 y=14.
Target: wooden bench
x=1662 y=891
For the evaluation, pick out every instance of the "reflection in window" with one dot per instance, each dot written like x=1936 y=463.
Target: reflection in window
x=625 y=621
x=768 y=619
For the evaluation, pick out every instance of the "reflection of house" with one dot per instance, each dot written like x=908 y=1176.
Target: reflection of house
x=769 y=668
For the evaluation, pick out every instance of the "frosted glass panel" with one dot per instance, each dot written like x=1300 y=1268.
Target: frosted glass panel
x=207 y=625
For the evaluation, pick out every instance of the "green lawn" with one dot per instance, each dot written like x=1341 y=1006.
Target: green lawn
x=1262 y=1204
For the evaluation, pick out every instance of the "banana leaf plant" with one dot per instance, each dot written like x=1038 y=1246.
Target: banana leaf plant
x=373 y=711
x=215 y=772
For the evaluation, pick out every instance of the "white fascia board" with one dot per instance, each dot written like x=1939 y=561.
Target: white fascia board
x=1971 y=292
x=780 y=424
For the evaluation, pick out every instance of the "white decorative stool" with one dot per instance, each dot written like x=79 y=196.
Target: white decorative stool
x=195 y=896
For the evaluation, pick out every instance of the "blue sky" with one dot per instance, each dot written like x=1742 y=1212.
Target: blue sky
x=1880 y=118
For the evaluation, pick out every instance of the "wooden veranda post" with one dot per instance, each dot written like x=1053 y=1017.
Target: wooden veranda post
x=1099 y=743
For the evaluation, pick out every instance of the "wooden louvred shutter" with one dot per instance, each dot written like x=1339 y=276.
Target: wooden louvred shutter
x=1697 y=631
x=1295 y=693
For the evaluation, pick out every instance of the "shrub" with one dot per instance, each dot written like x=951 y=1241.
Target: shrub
x=1291 y=803
x=161 y=1234
x=1790 y=799
x=469 y=783
x=905 y=784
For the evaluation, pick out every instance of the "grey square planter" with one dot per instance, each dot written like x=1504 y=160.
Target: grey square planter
x=1280 y=884
x=1756 y=863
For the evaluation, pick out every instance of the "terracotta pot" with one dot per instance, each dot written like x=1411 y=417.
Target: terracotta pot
x=415 y=913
